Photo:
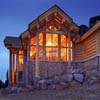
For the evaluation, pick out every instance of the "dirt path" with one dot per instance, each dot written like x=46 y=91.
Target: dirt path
x=79 y=93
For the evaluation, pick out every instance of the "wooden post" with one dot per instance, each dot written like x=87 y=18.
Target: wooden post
x=37 y=54
x=17 y=67
x=10 y=67
x=69 y=49
x=13 y=70
x=44 y=46
x=59 y=48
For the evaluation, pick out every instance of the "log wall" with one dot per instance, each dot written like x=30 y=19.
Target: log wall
x=87 y=48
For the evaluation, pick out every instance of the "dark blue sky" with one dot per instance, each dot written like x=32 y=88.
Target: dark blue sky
x=15 y=15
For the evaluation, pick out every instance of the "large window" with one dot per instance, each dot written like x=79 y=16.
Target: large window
x=51 y=46
x=20 y=58
x=48 y=43
x=33 y=47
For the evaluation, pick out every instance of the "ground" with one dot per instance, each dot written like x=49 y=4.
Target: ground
x=77 y=93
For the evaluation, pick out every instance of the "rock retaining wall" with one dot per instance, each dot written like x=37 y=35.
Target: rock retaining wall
x=83 y=71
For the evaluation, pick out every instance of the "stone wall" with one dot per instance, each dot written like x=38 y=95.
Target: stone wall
x=50 y=69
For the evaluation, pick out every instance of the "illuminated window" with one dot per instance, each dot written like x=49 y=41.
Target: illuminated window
x=33 y=47
x=33 y=52
x=20 y=58
x=33 y=41
x=55 y=54
x=41 y=39
x=63 y=54
x=48 y=53
x=63 y=40
x=50 y=43
x=41 y=53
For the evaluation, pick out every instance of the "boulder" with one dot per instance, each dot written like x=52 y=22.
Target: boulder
x=67 y=77
x=95 y=73
x=79 y=77
x=87 y=75
x=75 y=84
x=49 y=82
x=69 y=69
x=13 y=90
x=57 y=79
x=64 y=85
x=30 y=87
x=51 y=87
x=58 y=87
x=19 y=90
x=43 y=86
x=42 y=81
x=91 y=82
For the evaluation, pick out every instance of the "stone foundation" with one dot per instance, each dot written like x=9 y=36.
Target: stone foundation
x=50 y=69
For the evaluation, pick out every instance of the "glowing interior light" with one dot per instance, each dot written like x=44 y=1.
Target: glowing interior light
x=20 y=58
x=51 y=46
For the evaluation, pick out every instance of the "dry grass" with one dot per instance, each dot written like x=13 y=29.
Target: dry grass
x=77 y=93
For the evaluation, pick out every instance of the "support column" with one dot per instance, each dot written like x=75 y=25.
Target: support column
x=17 y=67
x=44 y=46
x=59 y=48
x=13 y=70
x=69 y=49
x=37 y=55
x=10 y=67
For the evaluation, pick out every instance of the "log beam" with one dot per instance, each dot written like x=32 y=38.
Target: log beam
x=69 y=49
x=13 y=70
x=10 y=67
x=37 y=54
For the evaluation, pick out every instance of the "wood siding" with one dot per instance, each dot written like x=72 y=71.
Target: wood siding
x=87 y=48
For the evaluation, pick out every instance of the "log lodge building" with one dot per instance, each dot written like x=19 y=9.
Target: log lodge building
x=49 y=45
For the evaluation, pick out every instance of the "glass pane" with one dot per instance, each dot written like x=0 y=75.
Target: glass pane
x=33 y=52
x=55 y=54
x=71 y=44
x=20 y=52
x=67 y=54
x=40 y=53
x=48 y=40
x=63 y=54
x=33 y=41
x=50 y=27
x=55 y=40
x=41 y=39
x=48 y=53
x=20 y=60
x=71 y=54
x=63 y=41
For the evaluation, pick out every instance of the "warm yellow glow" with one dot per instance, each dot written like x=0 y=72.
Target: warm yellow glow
x=40 y=53
x=20 y=58
x=33 y=52
x=50 y=27
x=48 y=53
x=41 y=39
x=20 y=52
x=48 y=40
x=55 y=54
x=63 y=41
x=67 y=54
x=71 y=54
x=20 y=61
x=63 y=54
x=55 y=40
x=51 y=39
x=51 y=46
x=33 y=41
x=51 y=53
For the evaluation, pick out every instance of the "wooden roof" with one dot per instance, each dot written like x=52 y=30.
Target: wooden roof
x=13 y=42
x=34 y=25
